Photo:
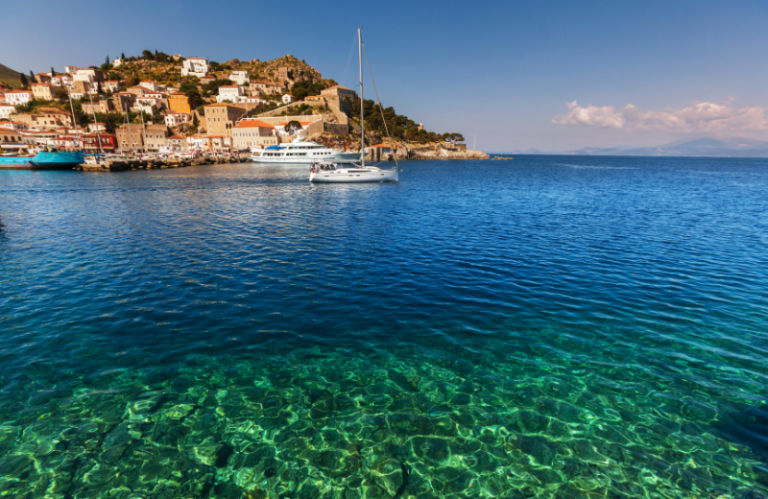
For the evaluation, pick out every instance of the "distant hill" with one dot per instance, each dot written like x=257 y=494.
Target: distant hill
x=734 y=147
x=9 y=76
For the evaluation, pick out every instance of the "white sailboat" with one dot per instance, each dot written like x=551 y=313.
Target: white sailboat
x=353 y=172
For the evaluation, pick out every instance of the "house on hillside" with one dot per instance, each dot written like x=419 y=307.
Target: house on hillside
x=232 y=93
x=175 y=119
x=42 y=91
x=251 y=132
x=195 y=66
x=178 y=102
x=6 y=110
x=288 y=98
x=239 y=77
x=338 y=92
x=18 y=97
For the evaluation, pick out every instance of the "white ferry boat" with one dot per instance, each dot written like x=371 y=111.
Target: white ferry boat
x=299 y=151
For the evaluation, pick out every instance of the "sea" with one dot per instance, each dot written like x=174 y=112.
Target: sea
x=547 y=327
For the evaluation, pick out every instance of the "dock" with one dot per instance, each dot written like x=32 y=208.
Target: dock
x=157 y=163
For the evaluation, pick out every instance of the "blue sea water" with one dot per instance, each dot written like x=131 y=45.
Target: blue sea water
x=549 y=327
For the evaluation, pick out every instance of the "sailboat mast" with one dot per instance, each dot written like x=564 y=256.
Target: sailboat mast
x=362 y=116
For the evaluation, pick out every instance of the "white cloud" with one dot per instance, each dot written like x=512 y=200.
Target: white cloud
x=698 y=117
x=605 y=117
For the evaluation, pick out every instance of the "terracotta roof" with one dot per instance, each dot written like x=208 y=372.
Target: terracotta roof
x=253 y=124
x=176 y=137
x=19 y=92
x=336 y=86
x=6 y=131
x=228 y=86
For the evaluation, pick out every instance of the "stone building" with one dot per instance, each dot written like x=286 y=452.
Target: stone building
x=221 y=118
x=249 y=133
x=156 y=137
x=42 y=91
x=130 y=137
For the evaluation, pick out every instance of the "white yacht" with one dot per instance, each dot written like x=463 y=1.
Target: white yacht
x=356 y=169
x=299 y=151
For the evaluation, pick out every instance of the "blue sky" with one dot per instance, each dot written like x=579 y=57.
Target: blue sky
x=504 y=72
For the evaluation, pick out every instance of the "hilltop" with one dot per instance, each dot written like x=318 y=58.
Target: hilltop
x=9 y=76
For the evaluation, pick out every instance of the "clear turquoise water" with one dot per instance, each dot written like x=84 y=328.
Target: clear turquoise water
x=548 y=327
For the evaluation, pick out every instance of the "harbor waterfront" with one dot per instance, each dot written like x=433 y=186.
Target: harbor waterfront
x=549 y=327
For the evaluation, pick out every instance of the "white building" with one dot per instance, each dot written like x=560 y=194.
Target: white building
x=6 y=110
x=111 y=86
x=175 y=119
x=83 y=75
x=239 y=77
x=14 y=125
x=147 y=104
x=17 y=97
x=61 y=80
x=251 y=99
x=71 y=69
x=231 y=93
x=76 y=94
x=116 y=63
x=150 y=85
x=287 y=98
x=97 y=127
x=194 y=66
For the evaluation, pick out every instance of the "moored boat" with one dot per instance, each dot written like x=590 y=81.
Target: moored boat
x=299 y=151
x=43 y=161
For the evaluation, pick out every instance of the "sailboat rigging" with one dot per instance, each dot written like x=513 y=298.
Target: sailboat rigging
x=334 y=172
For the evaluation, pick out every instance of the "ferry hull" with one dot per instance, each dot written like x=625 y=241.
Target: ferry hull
x=43 y=161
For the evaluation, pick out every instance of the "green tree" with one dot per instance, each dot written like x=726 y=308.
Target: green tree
x=122 y=56
x=148 y=55
x=111 y=120
x=292 y=127
x=107 y=61
x=60 y=94
x=53 y=72
x=195 y=121
x=99 y=90
x=32 y=78
x=23 y=81
x=453 y=138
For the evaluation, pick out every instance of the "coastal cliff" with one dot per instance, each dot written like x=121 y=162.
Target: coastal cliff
x=438 y=151
x=402 y=150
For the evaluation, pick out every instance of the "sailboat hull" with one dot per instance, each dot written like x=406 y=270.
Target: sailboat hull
x=346 y=175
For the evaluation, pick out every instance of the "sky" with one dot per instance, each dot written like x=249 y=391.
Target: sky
x=509 y=75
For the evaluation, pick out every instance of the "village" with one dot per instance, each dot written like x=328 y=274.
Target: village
x=193 y=106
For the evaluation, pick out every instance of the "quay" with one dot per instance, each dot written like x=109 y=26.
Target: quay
x=155 y=163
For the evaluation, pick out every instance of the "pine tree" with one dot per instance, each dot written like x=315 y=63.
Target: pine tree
x=122 y=56
x=107 y=62
x=32 y=78
x=53 y=73
x=24 y=82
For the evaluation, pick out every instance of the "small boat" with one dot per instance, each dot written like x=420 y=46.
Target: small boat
x=52 y=160
x=354 y=171
x=300 y=152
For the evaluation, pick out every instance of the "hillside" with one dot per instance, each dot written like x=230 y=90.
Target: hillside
x=9 y=76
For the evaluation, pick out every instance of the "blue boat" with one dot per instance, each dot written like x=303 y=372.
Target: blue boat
x=43 y=161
